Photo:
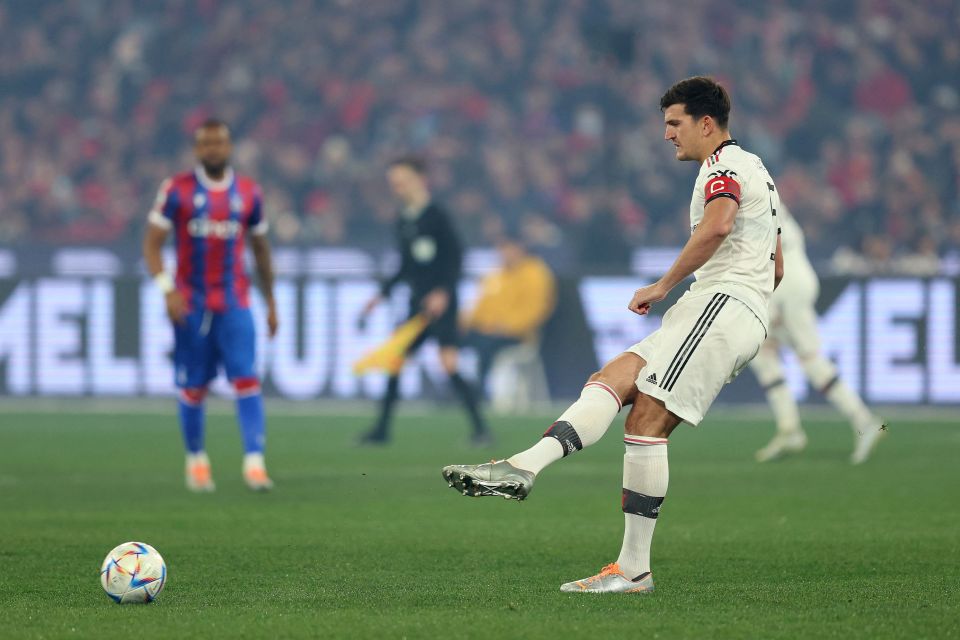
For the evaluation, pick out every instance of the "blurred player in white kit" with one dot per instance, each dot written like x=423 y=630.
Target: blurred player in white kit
x=793 y=323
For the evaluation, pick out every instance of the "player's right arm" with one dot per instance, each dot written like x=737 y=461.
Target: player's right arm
x=717 y=223
x=159 y=224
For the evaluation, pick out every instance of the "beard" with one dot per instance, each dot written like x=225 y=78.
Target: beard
x=214 y=169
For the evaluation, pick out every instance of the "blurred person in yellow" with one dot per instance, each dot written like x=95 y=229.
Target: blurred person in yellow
x=514 y=303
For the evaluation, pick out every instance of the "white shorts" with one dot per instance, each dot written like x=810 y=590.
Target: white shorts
x=703 y=343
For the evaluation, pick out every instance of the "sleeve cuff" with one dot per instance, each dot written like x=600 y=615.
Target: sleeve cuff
x=260 y=229
x=157 y=219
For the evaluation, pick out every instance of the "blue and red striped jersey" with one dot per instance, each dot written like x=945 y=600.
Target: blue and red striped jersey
x=210 y=220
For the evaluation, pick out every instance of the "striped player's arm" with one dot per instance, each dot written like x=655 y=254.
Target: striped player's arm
x=718 y=218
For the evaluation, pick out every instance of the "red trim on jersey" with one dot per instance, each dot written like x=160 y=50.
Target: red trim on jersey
x=721 y=187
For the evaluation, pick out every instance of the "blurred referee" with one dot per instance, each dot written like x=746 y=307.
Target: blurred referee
x=431 y=257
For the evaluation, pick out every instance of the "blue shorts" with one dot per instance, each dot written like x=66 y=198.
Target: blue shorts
x=208 y=340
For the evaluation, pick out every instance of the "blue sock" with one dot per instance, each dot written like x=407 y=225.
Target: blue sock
x=192 y=421
x=250 y=415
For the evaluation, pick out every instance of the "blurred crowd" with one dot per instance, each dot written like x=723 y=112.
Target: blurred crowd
x=541 y=114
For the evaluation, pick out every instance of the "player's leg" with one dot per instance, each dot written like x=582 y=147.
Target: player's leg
x=447 y=333
x=449 y=360
x=790 y=437
x=193 y=355
x=704 y=342
x=379 y=434
x=822 y=373
x=581 y=425
x=236 y=338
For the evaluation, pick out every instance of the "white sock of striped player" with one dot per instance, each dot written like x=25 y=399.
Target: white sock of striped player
x=784 y=407
x=645 y=477
x=847 y=402
x=823 y=374
x=581 y=425
x=769 y=371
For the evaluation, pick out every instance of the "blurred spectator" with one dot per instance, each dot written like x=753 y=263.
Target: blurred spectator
x=543 y=108
x=514 y=303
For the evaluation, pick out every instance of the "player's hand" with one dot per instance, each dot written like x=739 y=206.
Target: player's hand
x=272 y=322
x=176 y=307
x=436 y=303
x=646 y=296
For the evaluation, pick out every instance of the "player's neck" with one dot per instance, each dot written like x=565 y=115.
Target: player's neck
x=711 y=144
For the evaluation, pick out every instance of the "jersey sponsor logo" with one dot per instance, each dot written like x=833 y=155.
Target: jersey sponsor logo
x=220 y=229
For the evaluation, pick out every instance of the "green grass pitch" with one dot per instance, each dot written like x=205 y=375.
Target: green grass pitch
x=370 y=543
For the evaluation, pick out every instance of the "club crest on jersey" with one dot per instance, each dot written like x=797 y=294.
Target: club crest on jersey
x=199 y=200
x=236 y=203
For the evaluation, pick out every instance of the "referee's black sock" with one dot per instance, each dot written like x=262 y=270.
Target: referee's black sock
x=469 y=401
x=382 y=428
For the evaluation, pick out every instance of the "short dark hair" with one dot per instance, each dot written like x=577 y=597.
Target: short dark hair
x=415 y=163
x=700 y=96
x=212 y=123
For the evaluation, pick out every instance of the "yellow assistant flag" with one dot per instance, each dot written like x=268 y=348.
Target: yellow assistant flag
x=389 y=356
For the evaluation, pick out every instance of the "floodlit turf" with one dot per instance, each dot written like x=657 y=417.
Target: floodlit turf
x=371 y=542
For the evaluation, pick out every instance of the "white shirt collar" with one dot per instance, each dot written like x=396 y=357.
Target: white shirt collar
x=214 y=185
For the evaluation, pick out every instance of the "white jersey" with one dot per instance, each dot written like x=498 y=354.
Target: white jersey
x=743 y=266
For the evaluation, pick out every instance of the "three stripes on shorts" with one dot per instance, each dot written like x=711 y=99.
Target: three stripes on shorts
x=693 y=340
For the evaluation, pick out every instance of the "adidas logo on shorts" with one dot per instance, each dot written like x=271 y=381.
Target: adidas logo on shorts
x=652 y=378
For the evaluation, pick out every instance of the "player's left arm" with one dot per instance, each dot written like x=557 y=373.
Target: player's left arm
x=261 y=255
x=719 y=216
x=260 y=246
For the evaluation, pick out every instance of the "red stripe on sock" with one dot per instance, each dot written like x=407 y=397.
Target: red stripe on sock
x=247 y=386
x=608 y=390
x=193 y=397
x=643 y=440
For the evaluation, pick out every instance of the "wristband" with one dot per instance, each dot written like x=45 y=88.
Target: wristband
x=164 y=282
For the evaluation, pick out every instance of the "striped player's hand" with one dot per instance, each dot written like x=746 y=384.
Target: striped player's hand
x=646 y=296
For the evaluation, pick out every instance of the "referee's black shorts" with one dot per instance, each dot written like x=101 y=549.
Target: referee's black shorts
x=444 y=330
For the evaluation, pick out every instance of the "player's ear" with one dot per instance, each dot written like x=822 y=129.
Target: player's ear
x=707 y=125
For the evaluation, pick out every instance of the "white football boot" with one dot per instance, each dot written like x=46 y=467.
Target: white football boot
x=255 y=473
x=610 y=580
x=868 y=436
x=197 y=473
x=783 y=444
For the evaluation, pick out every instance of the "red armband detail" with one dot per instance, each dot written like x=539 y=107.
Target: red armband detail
x=722 y=187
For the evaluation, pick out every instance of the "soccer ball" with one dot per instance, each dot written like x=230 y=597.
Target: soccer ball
x=133 y=573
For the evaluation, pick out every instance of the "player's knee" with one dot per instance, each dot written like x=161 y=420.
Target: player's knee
x=246 y=386
x=766 y=365
x=650 y=417
x=193 y=396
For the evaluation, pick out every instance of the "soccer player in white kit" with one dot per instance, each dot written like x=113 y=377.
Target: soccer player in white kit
x=707 y=337
x=793 y=322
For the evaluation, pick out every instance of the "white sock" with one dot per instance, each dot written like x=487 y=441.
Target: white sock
x=847 y=402
x=784 y=407
x=645 y=477
x=823 y=374
x=581 y=425
x=253 y=461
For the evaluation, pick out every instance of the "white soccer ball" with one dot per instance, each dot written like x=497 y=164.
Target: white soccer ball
x=133 y=573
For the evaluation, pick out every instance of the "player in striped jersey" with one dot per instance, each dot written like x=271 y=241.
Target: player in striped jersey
x=793 y=320
x=706 y=338
x=211 y=211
